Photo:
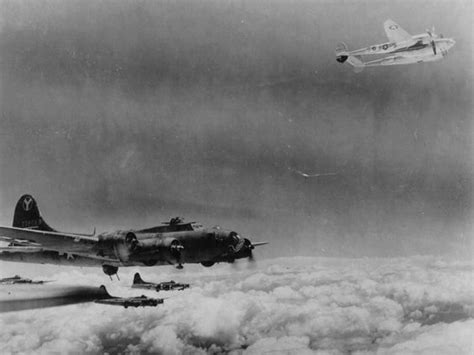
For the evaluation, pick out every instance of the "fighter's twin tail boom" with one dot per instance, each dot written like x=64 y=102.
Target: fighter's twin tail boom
x=32 y=240
x=402 y=48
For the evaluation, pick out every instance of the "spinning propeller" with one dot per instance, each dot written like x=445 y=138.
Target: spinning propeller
x=432 y=35
x=249 y=249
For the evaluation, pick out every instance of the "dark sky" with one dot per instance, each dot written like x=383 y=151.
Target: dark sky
x=124 y=114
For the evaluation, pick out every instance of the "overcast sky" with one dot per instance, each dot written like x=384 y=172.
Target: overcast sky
x=124 y=114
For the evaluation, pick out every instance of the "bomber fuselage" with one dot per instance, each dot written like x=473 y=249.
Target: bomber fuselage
x=205 y=246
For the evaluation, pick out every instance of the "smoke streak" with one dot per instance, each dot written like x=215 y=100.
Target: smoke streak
x=22 y=297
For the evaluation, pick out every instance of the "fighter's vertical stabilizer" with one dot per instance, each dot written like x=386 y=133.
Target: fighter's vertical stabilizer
x=356 y=63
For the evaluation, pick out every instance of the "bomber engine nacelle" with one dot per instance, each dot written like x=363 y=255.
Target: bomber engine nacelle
x=125 y=246
x=152 y=249
x=120 y=244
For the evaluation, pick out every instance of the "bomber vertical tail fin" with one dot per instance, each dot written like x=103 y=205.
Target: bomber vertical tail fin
x=137 y=279
x=27 y=215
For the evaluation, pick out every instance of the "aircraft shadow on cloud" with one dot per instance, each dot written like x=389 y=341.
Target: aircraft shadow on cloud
x=32 y=240
x=402 y=48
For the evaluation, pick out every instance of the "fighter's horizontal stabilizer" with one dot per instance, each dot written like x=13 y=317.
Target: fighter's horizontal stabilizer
x=356 y=63
x=343 y=55
x=341 y=52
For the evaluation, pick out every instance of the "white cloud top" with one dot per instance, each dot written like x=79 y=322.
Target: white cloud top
x=419 y=305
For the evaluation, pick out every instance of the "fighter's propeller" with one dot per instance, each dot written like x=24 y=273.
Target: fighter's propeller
x=432 y=34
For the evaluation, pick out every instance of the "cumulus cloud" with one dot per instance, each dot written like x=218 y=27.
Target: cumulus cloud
x=287 y=305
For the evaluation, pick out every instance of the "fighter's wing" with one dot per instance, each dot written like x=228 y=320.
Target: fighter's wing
x=61 y=242
x=391 y=60
x=395 y=33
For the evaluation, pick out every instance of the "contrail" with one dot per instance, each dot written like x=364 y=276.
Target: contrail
x=21 y=297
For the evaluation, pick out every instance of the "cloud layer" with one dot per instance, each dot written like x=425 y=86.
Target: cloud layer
x=290 y=305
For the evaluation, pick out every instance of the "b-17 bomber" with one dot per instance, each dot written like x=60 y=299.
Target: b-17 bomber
x=162 y=286
x=141 y=301
x=32 y=240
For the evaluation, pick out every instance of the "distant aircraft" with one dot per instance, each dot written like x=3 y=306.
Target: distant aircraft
x=162 y=286
x=402 y=48
x=32 y=240
x=20 y=280
x=141 y=301
x=306 y=176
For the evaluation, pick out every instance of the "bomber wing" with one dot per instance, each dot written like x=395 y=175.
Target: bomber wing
x=23 y=249
x=46 y=240
x=126 y=302
x=395 y=33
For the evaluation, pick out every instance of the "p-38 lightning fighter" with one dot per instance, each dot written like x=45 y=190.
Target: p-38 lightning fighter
x=402 y=48
x=32 y=240
x=162 y=286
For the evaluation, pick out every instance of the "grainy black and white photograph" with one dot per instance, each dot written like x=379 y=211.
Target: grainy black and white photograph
x=236 y=177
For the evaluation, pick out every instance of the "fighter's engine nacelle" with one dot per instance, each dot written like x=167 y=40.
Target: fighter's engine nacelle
x=342 y=58
x=120 y=245
x=341 y=52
